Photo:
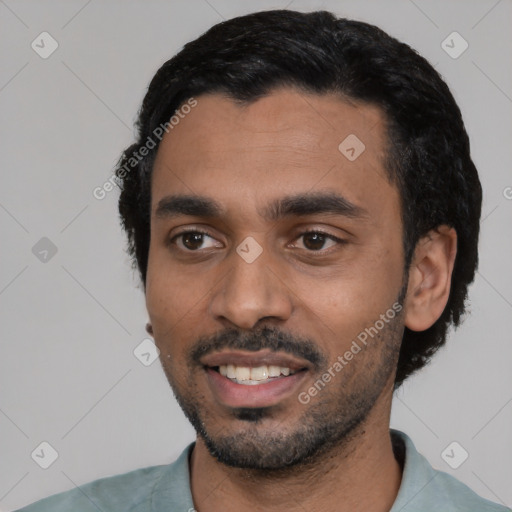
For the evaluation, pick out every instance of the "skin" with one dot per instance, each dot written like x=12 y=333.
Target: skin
x=244 y=157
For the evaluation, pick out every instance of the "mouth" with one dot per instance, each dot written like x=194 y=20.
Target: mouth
x=261 y=379
x=255 y=376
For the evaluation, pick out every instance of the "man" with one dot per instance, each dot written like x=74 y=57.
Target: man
x=304 y=213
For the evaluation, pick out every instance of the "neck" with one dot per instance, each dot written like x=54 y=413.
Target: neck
x=362 y=474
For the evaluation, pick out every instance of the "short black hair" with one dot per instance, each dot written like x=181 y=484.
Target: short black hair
x=428 y=157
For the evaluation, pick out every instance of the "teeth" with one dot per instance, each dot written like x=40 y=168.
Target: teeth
x=259 y=373
x=230 y=371
x=274 y=371
x=247 y=375
x=242 y=373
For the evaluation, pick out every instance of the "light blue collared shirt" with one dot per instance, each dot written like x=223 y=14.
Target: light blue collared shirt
x=167 y=489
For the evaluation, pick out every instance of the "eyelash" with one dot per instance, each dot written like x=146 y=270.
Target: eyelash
x=339 y=241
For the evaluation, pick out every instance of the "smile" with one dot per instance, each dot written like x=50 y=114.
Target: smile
x=254 y=376
x=254 y=379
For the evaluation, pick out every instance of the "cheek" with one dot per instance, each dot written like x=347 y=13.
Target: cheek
x=347 y=301
x=169 y=302
x=165 y=289
x=166 y=296
x=176 y=302
x=167 y=313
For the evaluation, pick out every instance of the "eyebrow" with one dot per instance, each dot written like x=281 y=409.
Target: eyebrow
x=288 y=206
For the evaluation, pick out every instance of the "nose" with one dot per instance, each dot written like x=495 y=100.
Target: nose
x=251 y=292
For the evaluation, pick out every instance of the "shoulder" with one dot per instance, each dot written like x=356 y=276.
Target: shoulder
x=459 y=497
x=129 y=492
x=120 y=492
x=425 y=488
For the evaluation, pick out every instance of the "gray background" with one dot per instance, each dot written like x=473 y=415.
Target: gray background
x=70 y=324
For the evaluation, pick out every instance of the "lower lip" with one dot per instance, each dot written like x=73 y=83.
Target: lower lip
x=258 y=395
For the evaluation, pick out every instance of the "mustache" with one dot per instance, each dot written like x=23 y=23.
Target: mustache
x=266 y=338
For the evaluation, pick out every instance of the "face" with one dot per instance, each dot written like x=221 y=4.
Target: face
x=275 y=266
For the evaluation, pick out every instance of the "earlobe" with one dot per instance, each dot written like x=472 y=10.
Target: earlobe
x=430 y=277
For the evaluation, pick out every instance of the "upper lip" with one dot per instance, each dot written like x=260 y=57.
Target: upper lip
x=255 y=359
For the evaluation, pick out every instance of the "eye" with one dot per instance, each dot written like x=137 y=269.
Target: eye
x=316 y=240
x=194 y=240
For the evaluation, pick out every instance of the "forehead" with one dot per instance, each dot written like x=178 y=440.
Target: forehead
x=286 y=143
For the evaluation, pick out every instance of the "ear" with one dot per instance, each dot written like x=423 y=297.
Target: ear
x=430 y=277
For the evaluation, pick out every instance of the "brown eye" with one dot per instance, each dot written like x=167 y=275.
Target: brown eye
x=194 y=241
x=314 y=241
x=318 y=241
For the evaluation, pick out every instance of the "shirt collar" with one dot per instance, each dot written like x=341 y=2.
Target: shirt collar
x=172 y=492
x=417 y=472
x=416 y=476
